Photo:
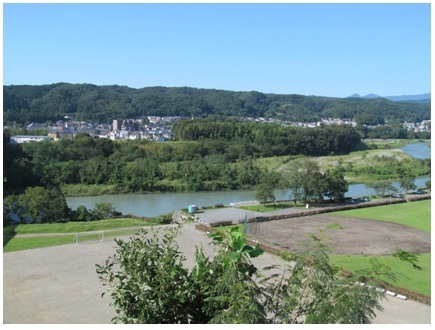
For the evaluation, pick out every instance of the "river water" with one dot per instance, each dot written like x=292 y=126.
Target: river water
x=149 y=205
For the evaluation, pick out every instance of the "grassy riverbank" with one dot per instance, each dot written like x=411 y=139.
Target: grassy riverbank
x=82 y=190
x=371 y=165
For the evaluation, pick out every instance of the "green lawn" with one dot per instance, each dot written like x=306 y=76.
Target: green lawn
x=24 y=243
x=413 y=214
x=413 y=280
x=72 y=227
x=66 y=232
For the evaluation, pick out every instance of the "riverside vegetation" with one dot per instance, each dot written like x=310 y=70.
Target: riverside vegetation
x=210 y=155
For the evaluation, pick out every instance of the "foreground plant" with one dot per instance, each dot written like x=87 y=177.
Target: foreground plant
x=149 y=283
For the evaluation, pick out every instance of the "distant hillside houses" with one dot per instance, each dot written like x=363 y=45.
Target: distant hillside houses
x=424 y=126
x=159 y=129
x=326 y=121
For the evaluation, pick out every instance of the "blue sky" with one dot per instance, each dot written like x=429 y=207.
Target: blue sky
x=311 y=49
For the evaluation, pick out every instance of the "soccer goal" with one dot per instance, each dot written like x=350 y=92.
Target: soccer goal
x=94 y=236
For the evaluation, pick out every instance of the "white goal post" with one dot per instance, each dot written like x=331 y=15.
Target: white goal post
x=88 y=236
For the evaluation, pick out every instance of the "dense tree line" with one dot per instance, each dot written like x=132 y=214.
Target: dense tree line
x=130 y=166
x=267 y=140
x=221 y=158
x=395 y=131
x=24 y=104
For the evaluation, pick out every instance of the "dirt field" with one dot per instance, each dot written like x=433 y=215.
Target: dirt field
x=378 y=238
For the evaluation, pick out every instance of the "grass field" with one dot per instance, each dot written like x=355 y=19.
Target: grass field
x=416 y=215
x=65 y=232
x=24 y=243
x=411 y=279
x=72 y=227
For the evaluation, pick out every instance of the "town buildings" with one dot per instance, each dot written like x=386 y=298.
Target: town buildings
x=155 y=128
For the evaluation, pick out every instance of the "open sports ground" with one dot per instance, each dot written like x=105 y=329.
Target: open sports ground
x=374 y=232
x=59 y=284
x=360 y=234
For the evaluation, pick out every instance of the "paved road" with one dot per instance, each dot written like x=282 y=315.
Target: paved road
x=59 y=285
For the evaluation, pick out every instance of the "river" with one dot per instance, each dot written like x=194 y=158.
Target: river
x=149 y=205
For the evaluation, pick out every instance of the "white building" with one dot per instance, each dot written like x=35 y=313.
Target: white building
x=16 y=139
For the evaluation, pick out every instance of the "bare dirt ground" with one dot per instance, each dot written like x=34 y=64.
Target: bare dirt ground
x=359 y=236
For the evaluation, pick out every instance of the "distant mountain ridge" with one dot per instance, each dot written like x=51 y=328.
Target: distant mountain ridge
x=400 y=98
x=26 y=103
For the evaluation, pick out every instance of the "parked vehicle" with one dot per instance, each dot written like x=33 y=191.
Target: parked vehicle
x=397 y=195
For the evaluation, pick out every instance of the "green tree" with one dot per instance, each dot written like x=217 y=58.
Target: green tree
x=103 y=211
x=10 y=210
x=265 y=192
x=382 y=187
x=406 y=178
x=152 y=284
x=42 y=205
x=81 y=214
x=313 y=291
x=149 y=283
x=304 y=179
x=335 y=184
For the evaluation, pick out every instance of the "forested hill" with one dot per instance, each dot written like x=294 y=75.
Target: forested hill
x=25 y=104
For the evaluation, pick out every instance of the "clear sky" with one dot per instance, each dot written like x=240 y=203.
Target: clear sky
x=311 y=49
